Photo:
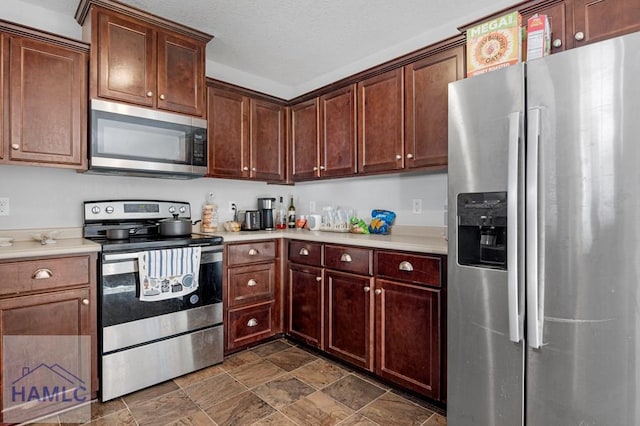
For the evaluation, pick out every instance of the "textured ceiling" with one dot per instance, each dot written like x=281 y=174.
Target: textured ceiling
x=289 y=47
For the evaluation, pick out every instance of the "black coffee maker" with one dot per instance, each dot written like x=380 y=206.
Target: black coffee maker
x=266 y=206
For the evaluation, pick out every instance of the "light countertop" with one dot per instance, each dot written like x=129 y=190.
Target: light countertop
x=418 y=239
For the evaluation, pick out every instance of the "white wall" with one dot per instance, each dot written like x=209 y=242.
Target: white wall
x=43 y=197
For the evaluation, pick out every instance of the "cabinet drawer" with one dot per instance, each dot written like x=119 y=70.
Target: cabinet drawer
x=409 y=267
x=349 y=259
x=44 y=274
x=250 y=324
x=259 y=251
x=305 y=252
x=251 y=283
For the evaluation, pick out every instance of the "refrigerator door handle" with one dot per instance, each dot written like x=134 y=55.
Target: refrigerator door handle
x=534 y=314
x=513 y=157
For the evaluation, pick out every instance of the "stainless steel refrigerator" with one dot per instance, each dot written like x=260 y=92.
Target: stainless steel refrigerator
x=543 y=309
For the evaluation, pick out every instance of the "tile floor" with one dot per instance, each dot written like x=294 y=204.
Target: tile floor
x=277 y=383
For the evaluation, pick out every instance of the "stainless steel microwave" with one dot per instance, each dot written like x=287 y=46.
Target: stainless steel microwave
x=134 y=141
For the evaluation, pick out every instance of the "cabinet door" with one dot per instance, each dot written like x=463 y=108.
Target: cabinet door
x=4 y=52
x=305 y=140
x=126 y=60
x=267 y=141
x=597 y=20
x=349 y=328
x=338 y=132
x=426 y=90
x=47 y=103
x=381 y=123
x=228 y=138
x=561 y=19
x=180 y=74
x=306 y=304
x=408 y=336
x=60 y=313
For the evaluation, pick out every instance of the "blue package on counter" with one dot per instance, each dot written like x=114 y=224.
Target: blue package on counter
x=381 y=221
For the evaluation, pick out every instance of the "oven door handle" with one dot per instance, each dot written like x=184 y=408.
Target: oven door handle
x=209 y=255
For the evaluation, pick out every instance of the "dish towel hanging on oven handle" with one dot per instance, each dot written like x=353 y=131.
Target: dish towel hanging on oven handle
x=169 y=273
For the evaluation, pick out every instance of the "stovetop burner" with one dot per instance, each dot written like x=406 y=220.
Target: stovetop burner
x=141 y=216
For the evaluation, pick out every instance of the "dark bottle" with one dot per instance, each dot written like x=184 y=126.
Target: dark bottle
x=291 y=215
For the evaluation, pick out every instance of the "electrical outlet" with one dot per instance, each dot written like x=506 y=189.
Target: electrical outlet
x=417 y=205
x=231 y=204
x=312 y=206
x=4 y=206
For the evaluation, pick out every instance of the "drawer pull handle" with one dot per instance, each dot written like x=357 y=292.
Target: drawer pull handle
x=304 y=252
x=406 y=266
x=378 y=291
x=253 y=252
x=345 y=258
x=85 y=302
x=252 y=283
x=252 y=322
x=367 y=289
x=42 y=274
x=15 y=146
x=318 y=279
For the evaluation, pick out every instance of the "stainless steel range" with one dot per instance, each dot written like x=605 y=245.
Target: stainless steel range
x=151 y=334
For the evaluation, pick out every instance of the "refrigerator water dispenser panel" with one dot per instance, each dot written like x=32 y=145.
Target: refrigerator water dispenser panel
x=482 y=229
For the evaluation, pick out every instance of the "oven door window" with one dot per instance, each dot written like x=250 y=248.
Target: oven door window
x=120 y=293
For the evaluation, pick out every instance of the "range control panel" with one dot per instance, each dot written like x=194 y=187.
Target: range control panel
x=122 y=210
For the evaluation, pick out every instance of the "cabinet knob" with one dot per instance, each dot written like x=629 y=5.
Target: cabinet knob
x=245 y=168
x=557 y=43
x=409 y=156
x=253 y=169
x=252 y=322
x=315 y=169
x=252 y=283
x=346 y=257
x=303 y=252
x=366 y=289
x=161 y=97
x=579 y=36
x=253 y=252
x=398 y=157
x=378 y=291
x=15 y=146
x=318 y=279
x=323 y=168
x=405 y=266
x=85 y=302
x=42 y=274
x=149 y=94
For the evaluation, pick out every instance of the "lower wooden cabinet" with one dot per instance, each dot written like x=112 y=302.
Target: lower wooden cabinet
x=408 y=338
x=382 y=311
x=349 y=324
x=251 y=296
x=306 y=302
x=52 y=296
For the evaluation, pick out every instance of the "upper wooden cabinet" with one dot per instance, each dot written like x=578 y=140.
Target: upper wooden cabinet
x=246 y=136
x=426 y=101
x=575 y=23
x=143 y=59
x=44 y=98
x=323 y=135
x=380 y=122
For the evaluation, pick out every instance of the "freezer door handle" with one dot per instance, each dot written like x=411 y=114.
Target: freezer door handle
x=515 y=325
x=534 y=311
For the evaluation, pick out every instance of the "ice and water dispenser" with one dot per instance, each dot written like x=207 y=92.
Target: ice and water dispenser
x=482 y=229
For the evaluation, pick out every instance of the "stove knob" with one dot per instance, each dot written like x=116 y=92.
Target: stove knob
x=183 y=209
x=108 y=209
x=172 y=209
x=95 y=209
